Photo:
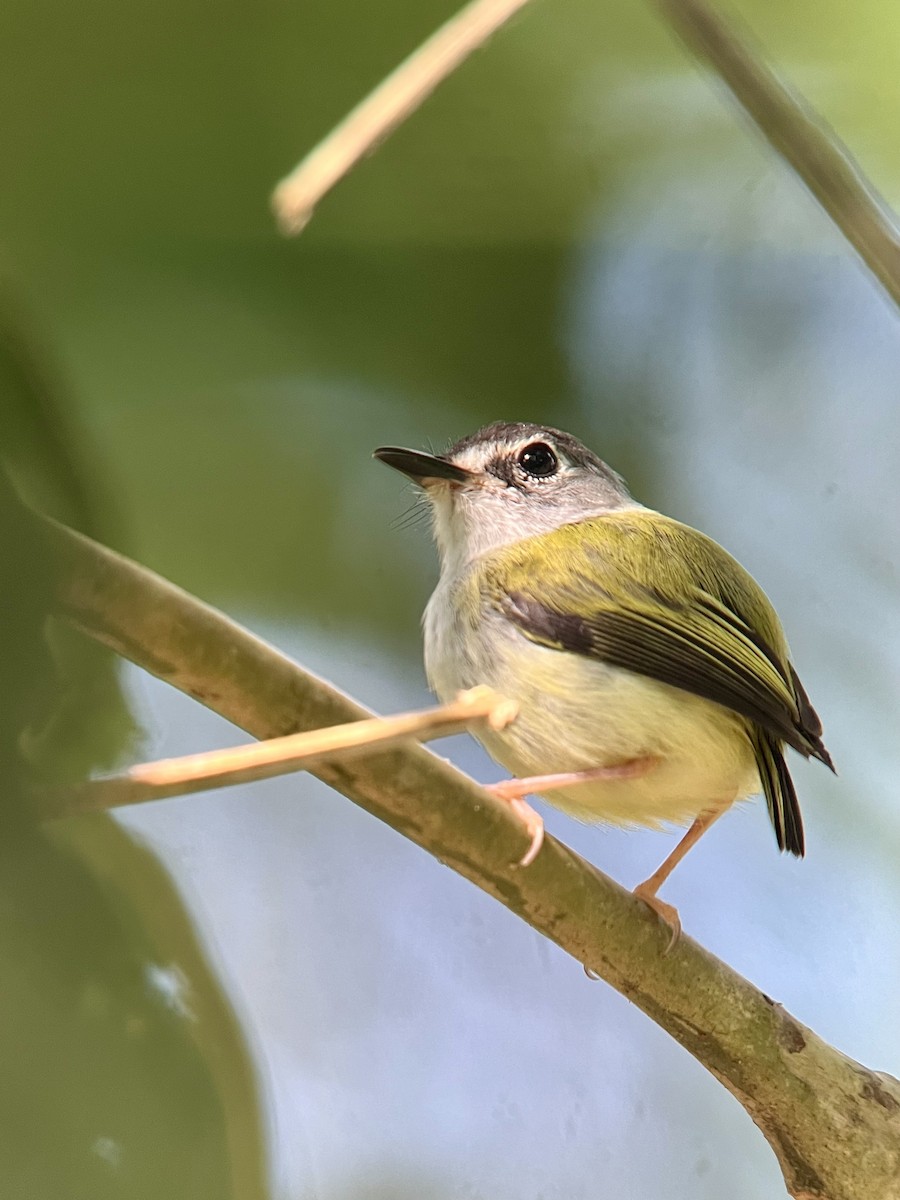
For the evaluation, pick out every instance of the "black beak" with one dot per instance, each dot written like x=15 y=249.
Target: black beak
x=422 y=467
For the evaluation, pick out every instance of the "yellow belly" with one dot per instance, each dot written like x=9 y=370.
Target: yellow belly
x=577 y=713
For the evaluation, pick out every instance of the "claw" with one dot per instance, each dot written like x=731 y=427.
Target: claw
x=667 y=913
x=534 y=824
x=510 y=791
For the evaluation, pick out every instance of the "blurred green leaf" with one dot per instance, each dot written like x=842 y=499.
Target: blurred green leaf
x=125 y=1072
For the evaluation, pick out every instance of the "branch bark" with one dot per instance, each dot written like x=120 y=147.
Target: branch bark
x=833 y=1124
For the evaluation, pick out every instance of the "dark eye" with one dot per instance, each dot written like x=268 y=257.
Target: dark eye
x=538 y=460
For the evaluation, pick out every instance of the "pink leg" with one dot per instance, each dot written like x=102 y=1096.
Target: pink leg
x=514 y=791
x=647 y=890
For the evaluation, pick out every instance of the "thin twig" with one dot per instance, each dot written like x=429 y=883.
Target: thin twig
x=394 y=100
x=799 y=136
x=277 y=756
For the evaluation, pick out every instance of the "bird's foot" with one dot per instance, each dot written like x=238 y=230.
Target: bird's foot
x=647 y=891
x=509 y=791
x=667 y=913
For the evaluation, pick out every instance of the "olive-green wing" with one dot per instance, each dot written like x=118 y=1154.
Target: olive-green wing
x=640 y=591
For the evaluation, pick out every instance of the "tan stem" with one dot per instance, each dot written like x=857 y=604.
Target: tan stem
x=394 y=100
x=276 y=756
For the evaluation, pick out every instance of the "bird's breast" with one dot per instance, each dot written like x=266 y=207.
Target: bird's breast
x=578 y=713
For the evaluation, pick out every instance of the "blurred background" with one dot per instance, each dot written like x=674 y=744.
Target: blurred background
x=264 y=993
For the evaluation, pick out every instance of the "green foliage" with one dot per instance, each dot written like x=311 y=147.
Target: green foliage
x=124 y=1075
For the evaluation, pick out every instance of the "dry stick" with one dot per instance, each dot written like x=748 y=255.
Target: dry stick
x=833 y=1124
x=394 y=100
x=799 y=136
x=277 y=756
x=789 y=124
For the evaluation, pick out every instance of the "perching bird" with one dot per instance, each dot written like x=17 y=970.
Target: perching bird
x=651 y=672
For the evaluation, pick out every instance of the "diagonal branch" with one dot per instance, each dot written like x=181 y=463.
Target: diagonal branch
x=833 y=1124
x=784 y=118
x=391 y=103
x=798 y=134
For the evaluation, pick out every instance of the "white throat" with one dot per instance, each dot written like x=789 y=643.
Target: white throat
x=470 y=523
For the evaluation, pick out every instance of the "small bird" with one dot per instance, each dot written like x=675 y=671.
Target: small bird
x=650 y=670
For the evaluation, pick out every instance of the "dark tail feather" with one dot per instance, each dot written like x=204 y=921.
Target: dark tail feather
x=778 y=789
x=810 y=725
